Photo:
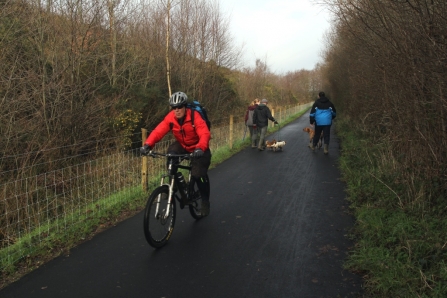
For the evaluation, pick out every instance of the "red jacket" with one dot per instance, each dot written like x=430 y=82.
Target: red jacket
x=189 y=137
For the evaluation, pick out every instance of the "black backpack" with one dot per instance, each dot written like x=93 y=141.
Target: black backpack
x=196 y=106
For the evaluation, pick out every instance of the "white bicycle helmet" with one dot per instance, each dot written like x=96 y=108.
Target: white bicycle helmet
x=178 y=99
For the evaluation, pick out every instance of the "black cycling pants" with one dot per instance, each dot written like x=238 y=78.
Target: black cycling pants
x=326 y=129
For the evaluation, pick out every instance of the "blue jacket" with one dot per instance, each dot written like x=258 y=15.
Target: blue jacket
x=322 y=112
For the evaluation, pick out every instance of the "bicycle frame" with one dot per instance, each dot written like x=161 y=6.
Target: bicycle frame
x=172 y=170
x=161 y=206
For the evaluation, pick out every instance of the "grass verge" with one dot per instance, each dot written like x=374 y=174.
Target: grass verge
x=401 y=248
x=48 y=241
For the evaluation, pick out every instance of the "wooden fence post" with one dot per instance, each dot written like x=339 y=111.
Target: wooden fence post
x=231 y=131
x=273 y=115
x=144 y=174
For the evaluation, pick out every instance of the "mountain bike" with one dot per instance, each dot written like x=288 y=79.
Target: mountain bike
x=160 y=212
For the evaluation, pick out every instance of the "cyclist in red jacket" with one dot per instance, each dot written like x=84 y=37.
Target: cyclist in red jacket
x=190 y=138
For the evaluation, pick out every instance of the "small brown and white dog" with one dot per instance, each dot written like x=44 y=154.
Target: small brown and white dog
x=278 y=145
x=269 y=144
x=311 y=133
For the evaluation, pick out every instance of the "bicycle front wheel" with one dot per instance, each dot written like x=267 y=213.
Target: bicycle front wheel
x=158 y=221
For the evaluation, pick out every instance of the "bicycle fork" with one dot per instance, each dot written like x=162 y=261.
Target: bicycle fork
x=170 y=197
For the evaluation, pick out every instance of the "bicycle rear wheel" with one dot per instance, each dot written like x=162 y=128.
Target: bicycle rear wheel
x=196 y=203
x=158 y=227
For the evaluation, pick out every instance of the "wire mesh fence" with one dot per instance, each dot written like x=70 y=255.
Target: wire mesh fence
x=37 y=208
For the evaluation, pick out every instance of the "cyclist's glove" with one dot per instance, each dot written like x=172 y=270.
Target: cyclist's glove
x=145 y=149
x=197 y=153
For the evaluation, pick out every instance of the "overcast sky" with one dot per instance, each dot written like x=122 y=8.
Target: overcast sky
x=286 y=34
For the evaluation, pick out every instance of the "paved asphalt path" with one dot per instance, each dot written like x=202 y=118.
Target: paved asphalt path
x=277 y=228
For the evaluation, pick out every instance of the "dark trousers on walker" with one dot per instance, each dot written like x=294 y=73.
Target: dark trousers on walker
x=253 y=135
x=326 y=129
x=263 y=132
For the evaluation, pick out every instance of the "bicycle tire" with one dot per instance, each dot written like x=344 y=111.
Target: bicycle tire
x=196 y=204
x=156 y=229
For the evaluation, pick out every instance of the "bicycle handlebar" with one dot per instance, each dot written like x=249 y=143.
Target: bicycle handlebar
x=183 y=155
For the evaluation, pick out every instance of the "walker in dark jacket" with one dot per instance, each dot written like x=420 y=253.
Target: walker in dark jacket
x=260 y=119
x=322 y=113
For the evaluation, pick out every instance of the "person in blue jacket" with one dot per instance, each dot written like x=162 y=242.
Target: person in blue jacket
x=322 y=113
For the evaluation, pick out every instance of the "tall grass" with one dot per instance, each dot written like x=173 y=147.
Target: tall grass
x=401 y=245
